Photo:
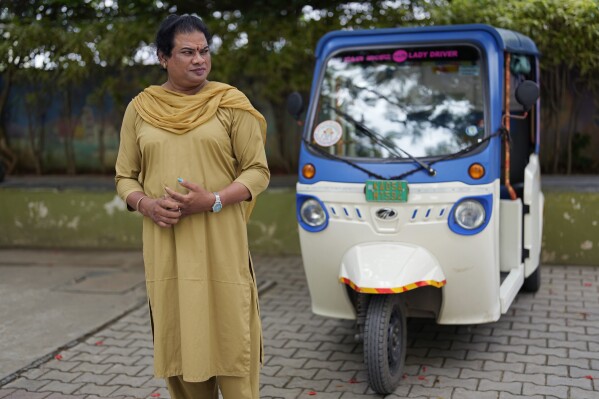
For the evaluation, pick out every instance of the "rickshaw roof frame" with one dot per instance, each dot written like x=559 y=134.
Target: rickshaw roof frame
x=508 y=40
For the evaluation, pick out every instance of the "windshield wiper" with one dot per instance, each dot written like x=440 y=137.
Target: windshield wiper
x=377 y=138
x=502 y=131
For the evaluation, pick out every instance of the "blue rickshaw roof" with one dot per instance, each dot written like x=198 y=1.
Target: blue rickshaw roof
x=511 y=41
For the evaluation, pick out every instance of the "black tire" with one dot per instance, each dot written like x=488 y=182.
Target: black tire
x=532 y=283
x=385 y=342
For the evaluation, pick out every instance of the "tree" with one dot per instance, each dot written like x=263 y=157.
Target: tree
x=566 y=33
x=66 y=43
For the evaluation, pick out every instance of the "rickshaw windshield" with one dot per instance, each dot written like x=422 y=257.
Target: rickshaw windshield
x=387 y=103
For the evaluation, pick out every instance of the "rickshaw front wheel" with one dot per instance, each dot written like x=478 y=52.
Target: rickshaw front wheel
x=385 y=342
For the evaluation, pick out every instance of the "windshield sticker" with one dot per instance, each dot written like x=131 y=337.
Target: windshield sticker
x=445 y=68
x=471 y=130
x=327 y=133
x=370 y=57
x=400 y=56
x=469 y=70
x=354 y=58
x=403 y=55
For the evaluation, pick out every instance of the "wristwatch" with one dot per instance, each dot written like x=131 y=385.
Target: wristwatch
x=217 y=204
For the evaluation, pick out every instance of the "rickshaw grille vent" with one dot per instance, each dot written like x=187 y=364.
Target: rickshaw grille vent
x=348 y=213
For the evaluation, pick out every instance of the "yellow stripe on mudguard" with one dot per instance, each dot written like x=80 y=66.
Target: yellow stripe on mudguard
x=397 y=290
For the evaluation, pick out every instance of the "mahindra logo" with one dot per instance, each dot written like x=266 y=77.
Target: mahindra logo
x=386 y=213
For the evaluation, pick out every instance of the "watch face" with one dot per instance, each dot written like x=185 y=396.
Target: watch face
x=217 y=204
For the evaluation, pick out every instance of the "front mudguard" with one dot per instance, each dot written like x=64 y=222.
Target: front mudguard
x=390 y=268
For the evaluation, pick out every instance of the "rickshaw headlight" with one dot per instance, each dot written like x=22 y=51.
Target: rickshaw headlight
x=312 y=213
x=469 y=214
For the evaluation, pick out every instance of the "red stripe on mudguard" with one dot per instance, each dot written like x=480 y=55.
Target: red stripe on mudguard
x=397 y=290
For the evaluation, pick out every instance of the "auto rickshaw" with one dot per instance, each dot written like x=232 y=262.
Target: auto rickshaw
x=419 y=188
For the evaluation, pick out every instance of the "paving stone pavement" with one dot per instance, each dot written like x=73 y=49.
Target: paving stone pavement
x=547 y=346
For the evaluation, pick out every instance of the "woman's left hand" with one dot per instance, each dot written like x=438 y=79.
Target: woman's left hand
x=197 y=200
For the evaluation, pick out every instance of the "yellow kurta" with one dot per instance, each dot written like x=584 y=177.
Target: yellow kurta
x=198 y=275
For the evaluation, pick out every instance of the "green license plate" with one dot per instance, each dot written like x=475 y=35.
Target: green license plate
x=387 y=190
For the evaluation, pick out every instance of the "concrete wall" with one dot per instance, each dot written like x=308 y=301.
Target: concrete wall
x=47 y=213
x=571 y=230
x=59 y=216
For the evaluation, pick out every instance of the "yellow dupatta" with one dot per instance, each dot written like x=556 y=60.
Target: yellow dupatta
x=179 y=113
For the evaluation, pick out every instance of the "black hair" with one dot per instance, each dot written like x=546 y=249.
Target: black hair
x=175 y=24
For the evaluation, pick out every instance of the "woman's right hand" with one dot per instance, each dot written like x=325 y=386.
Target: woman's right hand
x=163 y=211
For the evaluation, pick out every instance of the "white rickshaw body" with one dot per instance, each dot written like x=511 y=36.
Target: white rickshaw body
x=413 y=250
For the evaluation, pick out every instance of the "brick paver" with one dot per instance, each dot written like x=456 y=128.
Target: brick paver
x=547 y=345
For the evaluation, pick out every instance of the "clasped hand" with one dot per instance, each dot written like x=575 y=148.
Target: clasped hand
x=168 y=210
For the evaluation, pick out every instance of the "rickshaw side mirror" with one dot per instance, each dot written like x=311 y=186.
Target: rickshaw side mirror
x=295 y=104
x=527 y=94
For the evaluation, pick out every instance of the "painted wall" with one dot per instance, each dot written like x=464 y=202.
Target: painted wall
x=40 y=128
x=37 y=127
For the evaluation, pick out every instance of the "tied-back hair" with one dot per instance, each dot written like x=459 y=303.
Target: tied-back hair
x=175 y=24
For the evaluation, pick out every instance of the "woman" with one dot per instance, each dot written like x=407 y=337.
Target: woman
x=192 y=161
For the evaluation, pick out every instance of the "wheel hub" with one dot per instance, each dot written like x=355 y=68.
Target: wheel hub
x=394 y=341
